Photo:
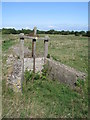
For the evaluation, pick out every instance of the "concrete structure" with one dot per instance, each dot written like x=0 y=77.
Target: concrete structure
x=28 y=64
x=34 y=38
x=63 y=73
x=56 y=70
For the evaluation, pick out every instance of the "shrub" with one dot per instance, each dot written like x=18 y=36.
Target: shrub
x=77 y=34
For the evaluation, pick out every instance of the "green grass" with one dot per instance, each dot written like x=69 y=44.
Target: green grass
x=70 y=50
x=8 y=40
x=67 y=49
x=46 y=98
x=57 y=100
x=7 y=44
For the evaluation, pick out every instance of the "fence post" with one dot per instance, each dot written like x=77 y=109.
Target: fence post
x=35 y=32
x=34 y=48
x=45 y=48
x=22 y=57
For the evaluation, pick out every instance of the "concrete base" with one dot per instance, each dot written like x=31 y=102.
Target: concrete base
x=56 y=71
x=28 y=64
x=63 y=73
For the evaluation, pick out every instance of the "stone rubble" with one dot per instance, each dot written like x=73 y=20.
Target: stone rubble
x=14 y=79
x=15 y=70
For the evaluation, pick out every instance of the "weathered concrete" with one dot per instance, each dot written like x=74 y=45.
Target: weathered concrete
x=45 y=48
x=56 y=71
x=34 y=54
x=28 y=64
x=63 y=73
x=27 y=52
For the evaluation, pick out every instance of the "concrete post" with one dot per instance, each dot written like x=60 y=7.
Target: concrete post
x=35 y=32
x=34 y=48
x=22 y=56
x=45 y=48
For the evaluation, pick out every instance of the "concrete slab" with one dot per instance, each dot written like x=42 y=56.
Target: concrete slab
x=28 y=64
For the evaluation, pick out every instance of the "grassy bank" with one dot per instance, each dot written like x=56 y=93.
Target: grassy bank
x=44 y=97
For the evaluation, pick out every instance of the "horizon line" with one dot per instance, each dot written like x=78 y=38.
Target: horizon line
x=41 y=29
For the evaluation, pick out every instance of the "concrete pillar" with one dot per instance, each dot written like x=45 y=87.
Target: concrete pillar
x=34 y=55
x=35 y=32
x=45 y=48
x=21 y=48
x=22 y=56
x=32 y=47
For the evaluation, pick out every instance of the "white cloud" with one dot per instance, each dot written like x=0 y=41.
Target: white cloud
x=27 y=28
x=10 y=27
x=51 y=26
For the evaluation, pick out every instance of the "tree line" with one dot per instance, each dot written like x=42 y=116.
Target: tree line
x=52 y=31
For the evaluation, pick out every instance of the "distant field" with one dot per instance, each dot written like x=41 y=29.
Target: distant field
x=47 y=98
x=68 y=49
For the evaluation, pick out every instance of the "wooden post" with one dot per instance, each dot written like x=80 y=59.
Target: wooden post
x=45 y=48
x=22 y=56
x=34 y=48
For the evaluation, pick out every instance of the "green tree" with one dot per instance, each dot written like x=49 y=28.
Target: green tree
x=77 y=33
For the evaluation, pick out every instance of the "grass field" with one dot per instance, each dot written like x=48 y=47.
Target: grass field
x=67 y=49
x=44 y=97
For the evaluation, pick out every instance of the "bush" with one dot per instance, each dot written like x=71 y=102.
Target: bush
x=77 y=34
x=88 y=33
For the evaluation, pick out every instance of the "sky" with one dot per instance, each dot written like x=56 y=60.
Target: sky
x=45 y=0
x=45 y=15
